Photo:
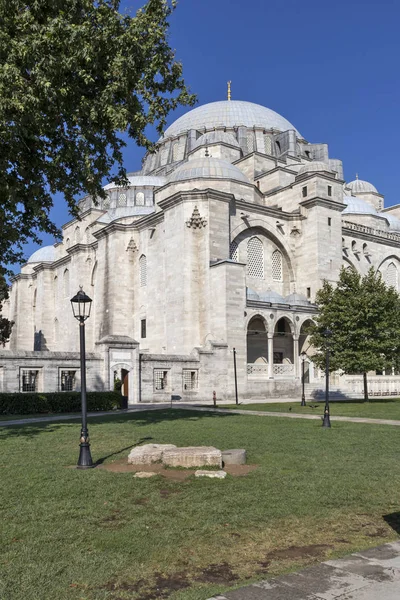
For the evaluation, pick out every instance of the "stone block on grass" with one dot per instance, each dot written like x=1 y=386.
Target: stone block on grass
x=148 y=454
x=211 y=474
x=234 y=457
x=193 y=456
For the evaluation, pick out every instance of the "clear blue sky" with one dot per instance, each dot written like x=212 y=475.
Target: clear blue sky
x=332 y=69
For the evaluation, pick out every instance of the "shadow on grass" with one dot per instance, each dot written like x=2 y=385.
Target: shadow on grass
x=100 y=461
x=393 y=520
x=138 y=419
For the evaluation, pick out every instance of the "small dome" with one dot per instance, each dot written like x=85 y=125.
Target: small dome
x=45 y=254
x=297 y=300
x=215 y=137
x=357 y=206
x=394 y=222
x=314 y=167
x=268 y=296
x=229 y=113
x=207 y=168
x=358 y=186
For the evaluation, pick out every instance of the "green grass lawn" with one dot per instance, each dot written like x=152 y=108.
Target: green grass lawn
x=374 y=409
x=97 y=535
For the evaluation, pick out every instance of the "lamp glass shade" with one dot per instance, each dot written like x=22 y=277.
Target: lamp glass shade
x=81 y=305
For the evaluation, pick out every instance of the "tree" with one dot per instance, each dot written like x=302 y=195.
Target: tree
x=75 y=75
x=363 y=314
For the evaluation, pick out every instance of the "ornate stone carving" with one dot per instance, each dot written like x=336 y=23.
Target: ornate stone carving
x=196 y=221
x=132 y=247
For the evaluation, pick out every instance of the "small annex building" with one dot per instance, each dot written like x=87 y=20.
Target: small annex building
x=220 y=241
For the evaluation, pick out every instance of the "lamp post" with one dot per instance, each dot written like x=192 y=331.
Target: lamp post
x=81 y=305
x=235 y=375
x=303 y=396
x=326 y=420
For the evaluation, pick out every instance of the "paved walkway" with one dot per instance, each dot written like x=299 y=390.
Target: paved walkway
x=208 y=408
x=368 y=575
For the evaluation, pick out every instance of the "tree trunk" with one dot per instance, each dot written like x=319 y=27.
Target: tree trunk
x=365 y=387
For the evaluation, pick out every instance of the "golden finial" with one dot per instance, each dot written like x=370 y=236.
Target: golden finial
x=356 y=175
x=229 y=90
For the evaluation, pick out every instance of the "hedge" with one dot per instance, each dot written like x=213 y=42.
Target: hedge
x=56 y=402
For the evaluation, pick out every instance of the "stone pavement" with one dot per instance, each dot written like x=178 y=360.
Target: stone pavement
x=372 y=574
x=196 y=407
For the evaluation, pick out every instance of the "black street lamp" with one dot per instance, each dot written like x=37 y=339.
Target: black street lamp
x=303 y=361
x=326 y=420
x=81 y=305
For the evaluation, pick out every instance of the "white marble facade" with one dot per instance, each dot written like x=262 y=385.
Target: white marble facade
x=221 y=241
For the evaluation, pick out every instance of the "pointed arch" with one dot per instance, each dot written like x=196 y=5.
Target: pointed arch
x=66 y=283
x=143 y=270
x=94 y=273
x=277 y=266
x=77 y=234
x=139 y=199
x=255 y=258
x=392 y=276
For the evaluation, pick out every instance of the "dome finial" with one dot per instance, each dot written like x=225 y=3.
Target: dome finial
x=229 y=90
x=356 y=175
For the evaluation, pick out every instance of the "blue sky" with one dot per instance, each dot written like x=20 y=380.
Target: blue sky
x=332 y=69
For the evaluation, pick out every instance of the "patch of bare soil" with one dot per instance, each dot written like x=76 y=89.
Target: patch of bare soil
x=122 y=466
x=239 y=470
x=215 y=573
x=296 y=552
x=163 y=586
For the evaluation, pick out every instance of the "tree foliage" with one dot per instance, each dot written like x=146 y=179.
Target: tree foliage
x=363 y=314
x=74 y=76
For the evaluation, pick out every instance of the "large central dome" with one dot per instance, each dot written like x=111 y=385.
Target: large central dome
x=229 y=113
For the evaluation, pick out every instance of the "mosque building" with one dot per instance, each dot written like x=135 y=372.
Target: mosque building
x=214 y=251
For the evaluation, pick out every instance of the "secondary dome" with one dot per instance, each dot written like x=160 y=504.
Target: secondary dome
x=315 y=166
x=207 y=168
x=216 y=137
x=357 y=206
x=358 y=186
x=394 y=222
x=297 y=300
x=45 y=254
x=229 y=113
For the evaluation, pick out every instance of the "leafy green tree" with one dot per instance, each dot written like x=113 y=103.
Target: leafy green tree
x=363 y=314
x=74 y=76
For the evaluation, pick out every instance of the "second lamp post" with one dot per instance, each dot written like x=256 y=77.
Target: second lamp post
x=81 y=305
x=326 y=422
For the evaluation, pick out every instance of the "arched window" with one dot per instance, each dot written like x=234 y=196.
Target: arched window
x=176 y=155
x=250 y=141
x=143 y=270
x=277 y=266
x=139 y=200
x=267 y=144
x=77 y=234
x=66 y=283
x=255 y=258
x=55 y=288
x=87 y=235
x=34 y=298
x=164 y=154
x=93 y=278
x=122 y=199
x=67 y=242
x=56 y=330
x=392 y=276
x=234 y=252
x=278 y=148
x=106 y=202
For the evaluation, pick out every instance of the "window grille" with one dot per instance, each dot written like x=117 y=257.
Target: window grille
x=190 y=380
x=122 y=200
x=267 y=145
x=255 y=258
x=392 y=276
x=139 y=200
x=143 y=270
x=164 y=155
x=106 y=202
x=177 y=151
x=29 y=381
x=234 y=251
x=250 y=141
x=160 y=379
x=277 y=266
x=67 y=381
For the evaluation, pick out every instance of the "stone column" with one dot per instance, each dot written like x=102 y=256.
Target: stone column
x=270 y=355
x=296 y=355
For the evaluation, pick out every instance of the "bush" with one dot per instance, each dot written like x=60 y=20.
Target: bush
x=56 y=402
